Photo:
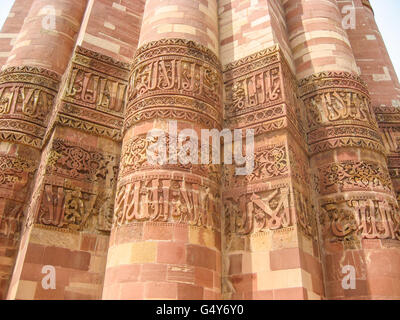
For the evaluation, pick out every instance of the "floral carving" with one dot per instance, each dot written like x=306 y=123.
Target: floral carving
x=352 y=175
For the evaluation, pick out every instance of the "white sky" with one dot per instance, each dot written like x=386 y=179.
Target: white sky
x=386 y=14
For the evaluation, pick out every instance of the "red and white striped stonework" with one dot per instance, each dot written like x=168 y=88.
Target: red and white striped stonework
x=82 y=83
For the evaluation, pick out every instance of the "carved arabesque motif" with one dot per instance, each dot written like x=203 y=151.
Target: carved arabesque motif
x=360 y=218
x=174 y=78
x=70 y=207
x=168 y=200
x=76 y=162
x=352 y=175
x=269 y=162
x=257 y=212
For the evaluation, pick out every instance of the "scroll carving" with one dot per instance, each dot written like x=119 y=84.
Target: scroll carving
x=71 y=207
x=185 y=75
x=257 y=212
x=351 y=175
x=168 y=200
x=360 y=218
x=269 y=162
x=26 y=101
x=76 y=162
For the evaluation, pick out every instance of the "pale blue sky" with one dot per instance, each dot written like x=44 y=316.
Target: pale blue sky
x=386 y=14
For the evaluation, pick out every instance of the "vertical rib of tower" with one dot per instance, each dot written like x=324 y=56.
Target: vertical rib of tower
x=165 y=242
x=71 y=205
x=29 y=82
x=377 y=71
x=270 y=244
x=358 y=214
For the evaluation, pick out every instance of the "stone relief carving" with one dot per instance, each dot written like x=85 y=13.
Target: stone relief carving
x=360 y=218
x=70 y=207
x=168 y=200
x=134 y=158
x=27 y=96
x=15 y=172
x=352 y=175
x=269 y=162
x=257 y=212
x=94 y=96
x=330 y=107
x=260 y=89
x=181 y=76
x=76 y=162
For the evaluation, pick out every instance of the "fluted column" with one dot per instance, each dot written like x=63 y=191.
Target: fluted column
x=378 y=72
x=71 y=209
x=270 y=249
x=165 y=242
x=357 y=212
x=29 y=83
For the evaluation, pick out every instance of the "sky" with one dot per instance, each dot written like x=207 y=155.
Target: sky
x=386 y=15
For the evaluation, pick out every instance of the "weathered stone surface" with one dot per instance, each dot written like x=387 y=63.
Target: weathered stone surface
x=80 y=90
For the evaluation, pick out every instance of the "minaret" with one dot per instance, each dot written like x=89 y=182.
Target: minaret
x=29 y=81
x=106 y=105
x=357 y=210
x=165 y=242
x=270 y=237
x=70 y=208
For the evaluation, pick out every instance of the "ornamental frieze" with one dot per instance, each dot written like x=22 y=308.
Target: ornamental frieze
x=359 y=218
x=15 y=172
x=353 y=176
x=165 y=199
x=259 y=88
x=95 y=90
x=72 y=161
x=345 y=142
x=257 y=117
x=338 y=106
x=322 y=134
x=270 y=162
x=69 y=207
x=90 y=127
x=256 y=90
x=26 y=102
x=94 y=95
x=134 y=159
x=180 y=73
x=257 y=212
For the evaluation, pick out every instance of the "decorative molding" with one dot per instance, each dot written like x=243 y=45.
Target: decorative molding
x=182 y=77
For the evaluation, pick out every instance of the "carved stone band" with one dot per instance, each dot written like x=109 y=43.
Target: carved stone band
x=180 y=77
x=339 y=112
x=93 y=99
x=26 y=102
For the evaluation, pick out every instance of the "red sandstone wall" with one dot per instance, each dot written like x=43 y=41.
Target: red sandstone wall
x=12 y=27
x=112 y=27
x=171 y=259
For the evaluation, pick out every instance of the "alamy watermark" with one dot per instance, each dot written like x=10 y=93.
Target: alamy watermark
x=49 y=280
x=49 y=20
x=349 y=280
x=349 y=18
x=172 y=147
